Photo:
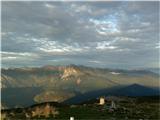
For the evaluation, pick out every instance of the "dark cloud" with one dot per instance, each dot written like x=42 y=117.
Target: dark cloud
x=98 y=34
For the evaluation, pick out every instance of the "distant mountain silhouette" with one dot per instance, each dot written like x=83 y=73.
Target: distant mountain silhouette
x=134 y=90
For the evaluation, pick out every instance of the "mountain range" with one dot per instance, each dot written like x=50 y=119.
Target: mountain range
x=26 y=86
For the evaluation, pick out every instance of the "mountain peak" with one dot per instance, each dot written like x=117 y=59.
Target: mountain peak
x=70 y=71
x=136 y=85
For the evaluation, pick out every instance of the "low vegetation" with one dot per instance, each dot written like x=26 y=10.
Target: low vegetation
x=126 y=108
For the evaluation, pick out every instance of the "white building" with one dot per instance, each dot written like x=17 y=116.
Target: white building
x=71 y=118
x=102 y=101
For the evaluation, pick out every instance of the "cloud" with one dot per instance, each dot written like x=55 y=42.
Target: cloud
x=98 y=62
x=7 y=56
x=105 y=45
x=118 y=34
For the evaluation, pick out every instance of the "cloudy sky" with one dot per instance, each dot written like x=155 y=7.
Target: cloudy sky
x=97 y=34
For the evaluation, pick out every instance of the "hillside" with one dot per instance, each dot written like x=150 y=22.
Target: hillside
x=126 y=108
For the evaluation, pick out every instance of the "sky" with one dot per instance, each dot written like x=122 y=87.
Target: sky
x=98 y=34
